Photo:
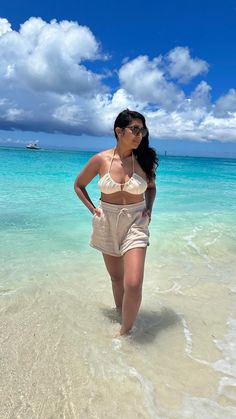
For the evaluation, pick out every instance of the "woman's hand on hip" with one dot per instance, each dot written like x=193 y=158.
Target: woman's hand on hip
x=97 y=211
x=147 y=213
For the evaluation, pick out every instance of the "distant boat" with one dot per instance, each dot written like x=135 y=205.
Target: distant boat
x=33 y=146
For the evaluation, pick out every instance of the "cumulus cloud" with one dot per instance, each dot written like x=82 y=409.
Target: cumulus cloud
x=46 y=84
x=5 y=26
x=190 y=125
x=182 y=67
x=49 y=57
x=226 y=105
x=145 y=80
x=201 y=96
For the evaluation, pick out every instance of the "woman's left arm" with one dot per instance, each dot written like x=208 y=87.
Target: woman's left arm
x=150 y=195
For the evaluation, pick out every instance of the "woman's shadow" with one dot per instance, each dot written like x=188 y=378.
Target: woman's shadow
x=148 y=324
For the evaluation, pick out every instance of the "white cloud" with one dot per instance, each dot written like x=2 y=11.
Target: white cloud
x=182 y=67
x=4 y=26
x=12 y=141
x=195 y=125
x=226 y=105
x=48 y=57
x=145 y=80
x=46 y=85
x=200 y=97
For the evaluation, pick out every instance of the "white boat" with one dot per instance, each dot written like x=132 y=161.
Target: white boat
x=33 y=146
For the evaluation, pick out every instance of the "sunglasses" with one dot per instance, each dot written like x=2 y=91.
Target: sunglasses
x=136 y=130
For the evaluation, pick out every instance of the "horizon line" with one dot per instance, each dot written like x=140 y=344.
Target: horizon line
x=161 y=154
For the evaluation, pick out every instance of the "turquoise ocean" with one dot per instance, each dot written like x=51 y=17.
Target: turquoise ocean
x=59 y=357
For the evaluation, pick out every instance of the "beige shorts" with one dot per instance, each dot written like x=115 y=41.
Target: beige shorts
x=120 y=228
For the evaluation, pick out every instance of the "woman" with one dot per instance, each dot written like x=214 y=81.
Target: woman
x=120 y=223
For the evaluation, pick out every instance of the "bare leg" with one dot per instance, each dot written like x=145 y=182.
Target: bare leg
x=115 y=267
x=133 y=279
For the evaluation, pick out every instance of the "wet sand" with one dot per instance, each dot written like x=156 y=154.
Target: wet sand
x=59 y=357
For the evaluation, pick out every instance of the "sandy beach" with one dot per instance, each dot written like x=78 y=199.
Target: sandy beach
x=59 y=356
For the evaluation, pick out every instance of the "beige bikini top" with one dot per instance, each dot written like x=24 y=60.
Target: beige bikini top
x=136 y=185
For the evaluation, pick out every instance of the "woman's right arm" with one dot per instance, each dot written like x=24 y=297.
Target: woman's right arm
x=91 y=169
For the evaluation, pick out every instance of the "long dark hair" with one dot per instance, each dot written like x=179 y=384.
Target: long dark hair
x=146 y=156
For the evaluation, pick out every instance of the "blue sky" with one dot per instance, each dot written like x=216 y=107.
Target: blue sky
x=67 y=69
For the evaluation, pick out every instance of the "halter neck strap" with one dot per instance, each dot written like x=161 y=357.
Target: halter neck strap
x=113 y=155
x=111 y=160
x=133 y=161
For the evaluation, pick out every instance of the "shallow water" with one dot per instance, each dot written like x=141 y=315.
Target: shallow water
x=59 y=356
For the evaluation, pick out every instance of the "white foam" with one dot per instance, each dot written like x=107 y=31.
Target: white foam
x=202 y=408
x=176 y=289
x=116 y=344
x=6 y=291
x=191 y=243
x=226 y=365
x=188 y=336
x=148 y=391
x=210 y=243
x=227 y=388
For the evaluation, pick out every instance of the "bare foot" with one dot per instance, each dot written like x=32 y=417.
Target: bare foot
x=122 y=332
